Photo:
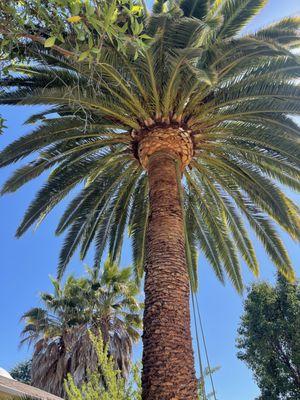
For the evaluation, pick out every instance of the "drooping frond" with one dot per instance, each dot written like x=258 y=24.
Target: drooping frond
x=236 y=14
x=138 y=222
x=234 y=95
x=195 y=8
x=158 y=6
x=285 y=32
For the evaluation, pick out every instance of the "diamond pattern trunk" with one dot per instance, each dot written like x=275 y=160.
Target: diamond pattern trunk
x=168 y=364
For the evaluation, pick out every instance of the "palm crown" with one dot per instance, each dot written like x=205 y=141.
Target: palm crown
x=231 y=98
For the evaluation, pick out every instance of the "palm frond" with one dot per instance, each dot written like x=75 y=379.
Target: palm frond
x=237 y=13
x=234 y=95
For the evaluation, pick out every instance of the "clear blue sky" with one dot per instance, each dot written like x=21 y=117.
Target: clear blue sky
x=26 y=264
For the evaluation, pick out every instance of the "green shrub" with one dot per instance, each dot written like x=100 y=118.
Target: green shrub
x=106 y=382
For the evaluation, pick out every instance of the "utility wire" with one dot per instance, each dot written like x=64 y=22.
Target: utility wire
x=193 y=287
x=205 y=349
x=198 y=349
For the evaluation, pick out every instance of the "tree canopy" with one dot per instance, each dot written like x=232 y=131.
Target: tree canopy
x=231 y=96
x=269 y=338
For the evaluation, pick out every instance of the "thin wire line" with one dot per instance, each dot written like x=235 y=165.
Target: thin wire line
x=205 y=349
x=198 y=348
x=192 y=283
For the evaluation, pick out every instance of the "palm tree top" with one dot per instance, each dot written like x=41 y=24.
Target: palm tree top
x=111 y=295
x=221 y=101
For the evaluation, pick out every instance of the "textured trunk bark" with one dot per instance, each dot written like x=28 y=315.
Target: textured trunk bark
x=168 y=363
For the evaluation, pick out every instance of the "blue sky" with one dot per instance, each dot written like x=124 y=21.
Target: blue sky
x=26 y=264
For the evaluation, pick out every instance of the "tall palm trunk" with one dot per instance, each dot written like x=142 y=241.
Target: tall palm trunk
x=168 y=365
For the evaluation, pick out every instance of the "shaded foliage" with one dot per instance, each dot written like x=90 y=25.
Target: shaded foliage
x=22 y=372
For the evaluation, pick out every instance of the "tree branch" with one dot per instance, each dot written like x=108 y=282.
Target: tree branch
x=39 y=39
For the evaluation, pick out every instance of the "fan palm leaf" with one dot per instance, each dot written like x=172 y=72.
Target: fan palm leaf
x=59 y=330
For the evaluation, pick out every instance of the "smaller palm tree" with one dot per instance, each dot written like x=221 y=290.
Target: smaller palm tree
x=59 y=330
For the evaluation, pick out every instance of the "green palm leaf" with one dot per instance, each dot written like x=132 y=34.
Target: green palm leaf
x=234 y=96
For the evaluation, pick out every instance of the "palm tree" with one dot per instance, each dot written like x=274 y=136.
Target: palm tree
x=60 y=330
x=178 y=142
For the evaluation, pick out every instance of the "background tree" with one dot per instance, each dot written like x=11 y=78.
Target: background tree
x=22 y=372
x=178 y=137
x=269 y=338
x=59 y=331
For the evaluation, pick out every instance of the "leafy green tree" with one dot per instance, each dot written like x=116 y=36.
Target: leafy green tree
x=77 y=28
x=22 y=372
x=269 y=338
x=59 y=330
x=112 y=386
x=177 y=138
